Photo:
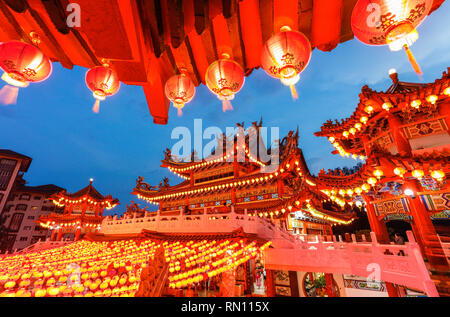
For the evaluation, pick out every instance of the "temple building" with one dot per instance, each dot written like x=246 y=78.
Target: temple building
x=230 y=179
x=83 y=213
x=403 y=135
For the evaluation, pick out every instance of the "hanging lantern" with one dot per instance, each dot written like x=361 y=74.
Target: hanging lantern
x=285 y=55
x=380 y=22
x=104 y=82
x=180 y=90
x=22 y=63
x=225 y=78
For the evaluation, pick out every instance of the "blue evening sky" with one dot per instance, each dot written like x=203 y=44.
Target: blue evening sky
x=53 y=122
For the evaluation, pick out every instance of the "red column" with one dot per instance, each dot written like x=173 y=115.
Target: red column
x=376 y=225
x=444 y=110
x=380 y=230
x=270 y=285
x=402 y=143
x=331 y=292
x=77 y=234
x=425 y=228
x=53 y=238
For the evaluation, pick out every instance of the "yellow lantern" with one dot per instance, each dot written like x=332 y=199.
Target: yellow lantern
x=432 y=99
x=363 y=119
x=399 y=171
x=378 y=173
x=438 y=175
x=416 y=103
x=372 y=180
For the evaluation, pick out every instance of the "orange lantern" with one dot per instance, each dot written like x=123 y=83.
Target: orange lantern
x=285 y=55
x=22 y=63
x=380 y=22
x=180 y=90
x=225 y=78
x=103 y=82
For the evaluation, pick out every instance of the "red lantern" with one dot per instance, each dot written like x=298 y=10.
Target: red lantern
x=104 y=82
x=285 y=55
x=225 y=78
x=380 y=22
x=180 y=90
x=22 y=63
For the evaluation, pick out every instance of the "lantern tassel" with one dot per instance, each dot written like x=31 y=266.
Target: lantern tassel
x=180 y=112
x=8 y=95
x=294 y=92
x=413 y=61
x=96 y=107
x=226 y=105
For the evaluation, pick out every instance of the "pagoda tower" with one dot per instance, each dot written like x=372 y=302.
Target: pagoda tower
x=83 y=212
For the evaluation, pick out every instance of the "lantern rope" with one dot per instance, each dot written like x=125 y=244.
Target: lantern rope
x=413 y=61
x=8 y=95
x=96 y=107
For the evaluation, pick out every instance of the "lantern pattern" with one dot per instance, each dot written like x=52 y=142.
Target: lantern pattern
x=180 y=90
x=225 y=78
x=22 y=63
x=103 y=82
x=391 y=22
x=285 y=55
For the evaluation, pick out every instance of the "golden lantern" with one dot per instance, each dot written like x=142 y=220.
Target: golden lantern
x=399 y=171
x=432 y=99
x=363 y=119
x=418 y=173
x=416 y=104
x=372 y=180
x=378 y=173
x=386 y=106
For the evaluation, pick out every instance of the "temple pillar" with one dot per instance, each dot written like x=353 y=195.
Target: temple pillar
x=70 y=209
x=293 y=283
x=60 y=234
x=233 y=195
x=84 y=208
x=78 y=234
x=400 y=141
x=379 y=228
x=425 y=229
x=270 y=283
x=280 y=187
x=366 y=144
x=331 y=292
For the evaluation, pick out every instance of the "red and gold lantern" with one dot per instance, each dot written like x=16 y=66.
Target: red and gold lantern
x=103 y=82
x=225 y=78
x=180 y=90
x=391 y=22
x=285 y=55
x=22 y=63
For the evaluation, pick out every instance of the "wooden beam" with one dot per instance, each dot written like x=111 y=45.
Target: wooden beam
x=251 y=32
x=326 y=24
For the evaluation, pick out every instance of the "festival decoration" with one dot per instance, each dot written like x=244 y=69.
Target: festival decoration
x=225 y=78
x=180 y=90
x=22 y=64
x=285 y=55
x=103 y=81
x=380 y=22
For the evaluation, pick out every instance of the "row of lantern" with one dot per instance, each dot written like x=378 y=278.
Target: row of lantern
x=284 y=56
x=24 y=63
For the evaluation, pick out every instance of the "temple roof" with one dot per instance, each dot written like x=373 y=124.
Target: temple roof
x=158 y=38
x=86 y=192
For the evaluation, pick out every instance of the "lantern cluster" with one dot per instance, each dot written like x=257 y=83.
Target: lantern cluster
x=111 y=269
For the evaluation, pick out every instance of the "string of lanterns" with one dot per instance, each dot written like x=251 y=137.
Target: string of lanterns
x=109 y=269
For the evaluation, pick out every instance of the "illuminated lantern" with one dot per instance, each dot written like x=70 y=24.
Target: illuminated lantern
x=372 y=180
x=285 y=55
x=378 y=173
x=380 y=22
x=180 y=90
x=225 y=78
x=399 y=171
x=22 y=63
x=103 y=82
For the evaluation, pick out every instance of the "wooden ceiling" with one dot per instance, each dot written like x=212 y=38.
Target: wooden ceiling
x=147 y=41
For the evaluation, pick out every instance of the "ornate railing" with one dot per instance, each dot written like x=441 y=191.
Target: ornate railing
x=399 y=264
